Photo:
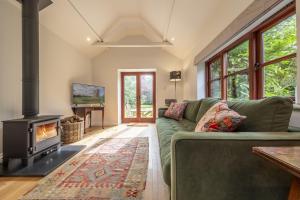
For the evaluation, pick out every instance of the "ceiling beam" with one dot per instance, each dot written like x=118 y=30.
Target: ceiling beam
x=165 y=36
x=85 y=20
x=137 y=45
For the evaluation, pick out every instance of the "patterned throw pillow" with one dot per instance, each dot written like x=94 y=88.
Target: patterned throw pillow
x=219 y=118
x=175 y=111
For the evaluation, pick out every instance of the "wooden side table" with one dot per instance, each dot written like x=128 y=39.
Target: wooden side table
x=84 y=111
x=287 y=158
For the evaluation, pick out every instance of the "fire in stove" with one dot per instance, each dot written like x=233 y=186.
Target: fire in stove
x=46 y=131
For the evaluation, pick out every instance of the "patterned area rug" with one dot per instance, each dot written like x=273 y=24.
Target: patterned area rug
x=113 y=168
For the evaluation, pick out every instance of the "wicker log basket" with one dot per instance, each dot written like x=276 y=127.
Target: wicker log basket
x=72 y=129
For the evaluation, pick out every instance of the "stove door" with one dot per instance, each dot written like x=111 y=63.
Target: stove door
x=45 y=135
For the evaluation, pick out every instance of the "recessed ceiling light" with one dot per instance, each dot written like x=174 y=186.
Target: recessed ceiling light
x=173 y=39
x=88 y=39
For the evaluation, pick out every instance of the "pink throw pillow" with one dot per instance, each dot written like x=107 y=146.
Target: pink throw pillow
x=175 y=111
x=219 y=118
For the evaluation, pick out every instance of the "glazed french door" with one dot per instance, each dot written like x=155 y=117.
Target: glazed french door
x=138 y=97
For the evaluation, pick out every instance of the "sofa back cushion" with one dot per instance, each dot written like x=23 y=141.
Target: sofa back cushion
x=191 y=110
x=270 y=114
x=206 y=104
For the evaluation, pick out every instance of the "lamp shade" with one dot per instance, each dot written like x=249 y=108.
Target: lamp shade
x=175 y=76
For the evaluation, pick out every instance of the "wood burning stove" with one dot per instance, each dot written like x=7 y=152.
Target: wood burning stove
x=27 y=139
x=33 y=135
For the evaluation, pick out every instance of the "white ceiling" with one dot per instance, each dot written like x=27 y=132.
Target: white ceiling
x=116 y=19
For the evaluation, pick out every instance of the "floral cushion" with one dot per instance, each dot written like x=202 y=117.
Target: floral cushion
x=219 y=118
x=175 y=111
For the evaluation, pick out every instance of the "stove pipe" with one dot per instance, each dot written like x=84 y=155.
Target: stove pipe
x=30 y=59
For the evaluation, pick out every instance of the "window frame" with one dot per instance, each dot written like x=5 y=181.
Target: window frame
x=208 y=75
x=260 y=64
x=256 y=63
x=223 y=56
x=240 y=72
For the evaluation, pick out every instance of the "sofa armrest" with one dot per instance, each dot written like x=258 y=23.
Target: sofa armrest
x=161 y=111
x=293 y=129
x=222 y=166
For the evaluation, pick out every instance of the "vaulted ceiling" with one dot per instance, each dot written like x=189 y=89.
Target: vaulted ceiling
x=113 y=20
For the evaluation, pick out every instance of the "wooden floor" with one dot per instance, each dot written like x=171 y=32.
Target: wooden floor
x=156 y=189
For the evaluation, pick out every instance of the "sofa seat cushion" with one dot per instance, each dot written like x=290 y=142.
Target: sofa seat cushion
x=265 y=115
x=171 y=124
x=191 y=110
x=166 y=128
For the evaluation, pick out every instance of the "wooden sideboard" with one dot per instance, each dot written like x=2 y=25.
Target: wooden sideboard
x=83 y=111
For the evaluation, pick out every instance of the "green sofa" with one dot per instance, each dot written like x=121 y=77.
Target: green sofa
x=221 y=166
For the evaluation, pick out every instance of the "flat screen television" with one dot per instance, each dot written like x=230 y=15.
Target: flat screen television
x=88 y=94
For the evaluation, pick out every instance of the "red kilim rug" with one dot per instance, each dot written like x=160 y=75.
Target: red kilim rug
x=113 y=168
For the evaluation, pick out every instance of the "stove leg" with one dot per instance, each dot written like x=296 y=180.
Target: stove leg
x=5 y=162
x=27 y=161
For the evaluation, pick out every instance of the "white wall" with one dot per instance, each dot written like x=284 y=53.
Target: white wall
x=201 y=93
x=105 y=73
x=190 y=78
x=60 y=65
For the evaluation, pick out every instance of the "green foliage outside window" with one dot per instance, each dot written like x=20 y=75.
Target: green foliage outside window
x=216 y=89
x=130 y=96
x=279 y=41
x=280 y=79
x=215 y=69
x=238 y=87
x=237 y=60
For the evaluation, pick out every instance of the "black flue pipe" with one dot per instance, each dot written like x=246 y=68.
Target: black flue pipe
x=30 y=59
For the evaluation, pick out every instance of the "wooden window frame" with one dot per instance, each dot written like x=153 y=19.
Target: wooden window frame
x=208 y=75
x=256 y=64
x=240 y=72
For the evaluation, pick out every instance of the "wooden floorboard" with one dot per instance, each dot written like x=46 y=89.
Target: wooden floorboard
x=156 y=189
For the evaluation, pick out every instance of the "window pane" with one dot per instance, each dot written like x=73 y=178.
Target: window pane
x=280 y=40
x=238 y=87
x=216 y=89
x=238 y=58
x=215 y=69
x=280 y=79
x=130 y=96
x=147 y=96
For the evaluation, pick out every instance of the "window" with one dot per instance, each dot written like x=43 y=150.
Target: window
x=260 y=64
x=278 y=62
x=215 y=78
x=237 y=72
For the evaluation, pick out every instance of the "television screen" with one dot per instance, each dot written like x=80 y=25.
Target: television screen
x=88 y=94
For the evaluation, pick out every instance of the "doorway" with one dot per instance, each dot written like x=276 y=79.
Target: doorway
x=138 y=97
